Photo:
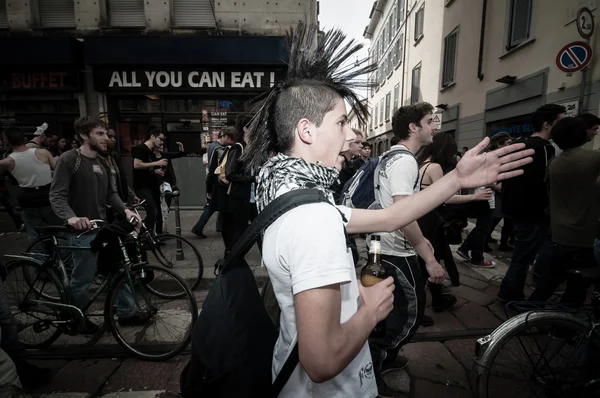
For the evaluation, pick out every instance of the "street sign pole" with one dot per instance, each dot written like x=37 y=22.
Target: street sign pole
x=585 y=27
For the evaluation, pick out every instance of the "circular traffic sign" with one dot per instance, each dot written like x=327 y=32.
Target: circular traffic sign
x=574 y=56
x=585 y=23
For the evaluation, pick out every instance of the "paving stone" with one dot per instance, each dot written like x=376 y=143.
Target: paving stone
x=428 y=389
x=463 y=350
x=432 y=361
x=85 y=376
x=473 y=282
x=140 y=376
x=497 y=309
x=475 y=316
x=398 y=380
x=443 y=322
x=173 y=384
x=470 y=294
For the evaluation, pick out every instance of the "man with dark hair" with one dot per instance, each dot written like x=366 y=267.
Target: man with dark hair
x=398 y=176
x=525 y=199
x=145 y=171
x=81 y=191
x=592 y=124
x=394 y=141
x=32 y=168
x=297 y=137
x=43 y=138
x=574 y=191
x=116 y=169
x=348 y=166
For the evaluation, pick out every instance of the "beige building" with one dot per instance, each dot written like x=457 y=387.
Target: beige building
x=489 y=64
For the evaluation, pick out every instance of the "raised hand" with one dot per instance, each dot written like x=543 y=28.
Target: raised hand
x=477 y=169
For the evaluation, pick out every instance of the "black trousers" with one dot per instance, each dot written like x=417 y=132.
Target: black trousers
x=409 y=307
x=152 y=206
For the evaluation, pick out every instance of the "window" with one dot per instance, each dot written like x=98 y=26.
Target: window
x=126 y=13
x=415 y=89
x=396 y=95
x=390 y=28
x=370 y=119
x=399 y=48
x=3 y=17
x=419 y=22
x=381 y=111
x=390 y=62
x=520 y=22
x=193 y=13
x=399 y=13
x=375 y=114
x=388 y=100
x=449 y=61
x=57 y=13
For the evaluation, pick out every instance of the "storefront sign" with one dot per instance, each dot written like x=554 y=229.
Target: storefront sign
x=185 y=80
x=516 y=127
x=39 y=80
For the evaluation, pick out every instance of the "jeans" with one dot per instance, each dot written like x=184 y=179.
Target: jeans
x=552 y=264
x=209 y=210
x=36 y=217
x=409 y=306
x=152 y=206
x=476 y=239
x=529 y=237
x=9 y=338
x=10 y=208
x=84 y=270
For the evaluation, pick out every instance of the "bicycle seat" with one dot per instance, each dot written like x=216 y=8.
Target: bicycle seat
x=49 y=229
x=586 y=273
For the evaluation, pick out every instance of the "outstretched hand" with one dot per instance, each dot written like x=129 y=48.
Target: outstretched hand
x=478 y=168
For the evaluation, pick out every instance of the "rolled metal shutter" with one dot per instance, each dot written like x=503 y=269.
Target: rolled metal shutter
x=3 y=17
x=193 y=13
x=57 y=13
x=126 y=13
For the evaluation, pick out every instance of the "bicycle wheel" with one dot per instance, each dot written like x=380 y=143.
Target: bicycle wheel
x=166 y=327
x=541 y=354
x=28 y=285
x=180 y=255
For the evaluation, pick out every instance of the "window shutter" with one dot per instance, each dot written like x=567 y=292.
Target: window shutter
x=415 y=84
x=520 y=21
x=57 y=13
x=449 y=59
x=3 y=16
x=381 y=111
x=126 y=13
x=193 y=13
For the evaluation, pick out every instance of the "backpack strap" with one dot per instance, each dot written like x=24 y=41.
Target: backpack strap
x=376 y=184
x=286 y=371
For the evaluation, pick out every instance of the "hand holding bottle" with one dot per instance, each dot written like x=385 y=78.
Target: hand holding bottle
x=379 y=298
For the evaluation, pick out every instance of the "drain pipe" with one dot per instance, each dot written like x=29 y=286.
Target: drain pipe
x=481 y=41
x=404 y=54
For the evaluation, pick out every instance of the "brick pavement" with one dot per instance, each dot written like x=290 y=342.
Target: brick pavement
x=437 y=368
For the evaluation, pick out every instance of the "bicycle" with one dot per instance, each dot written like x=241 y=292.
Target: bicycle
x=169 y=250
x=556 y=350
x=30 y=280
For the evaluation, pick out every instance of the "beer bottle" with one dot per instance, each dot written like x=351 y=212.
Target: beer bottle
x=373 y=273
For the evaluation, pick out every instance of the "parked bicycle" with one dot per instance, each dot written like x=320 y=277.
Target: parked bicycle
x=550 y=350
x=42 y=302
x=171 y=251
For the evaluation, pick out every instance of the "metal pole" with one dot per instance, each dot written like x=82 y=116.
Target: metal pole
x=179 y=254
x=583 y=84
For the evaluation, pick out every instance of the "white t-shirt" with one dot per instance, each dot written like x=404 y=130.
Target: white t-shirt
x=398 y=176
x=306 y=250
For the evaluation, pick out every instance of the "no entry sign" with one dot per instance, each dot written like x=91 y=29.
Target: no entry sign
x=574 y=57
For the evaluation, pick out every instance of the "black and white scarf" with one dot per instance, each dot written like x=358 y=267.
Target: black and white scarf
x=283 y=173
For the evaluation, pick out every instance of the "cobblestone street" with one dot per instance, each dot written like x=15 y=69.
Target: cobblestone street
x=440 y=356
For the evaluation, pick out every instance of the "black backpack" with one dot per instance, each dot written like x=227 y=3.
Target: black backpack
x=234 y=337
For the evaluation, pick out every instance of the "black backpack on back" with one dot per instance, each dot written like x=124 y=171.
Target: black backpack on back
x=234 y=337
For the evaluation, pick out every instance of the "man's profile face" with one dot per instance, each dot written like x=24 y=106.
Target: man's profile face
x=592 y=132
x=112 y=139
x=98 y=139
x=426 y=130
x=333 y=136
x=49 y=140
x=356 y=147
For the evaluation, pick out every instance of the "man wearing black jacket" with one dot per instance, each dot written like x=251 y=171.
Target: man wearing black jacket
x=117 y=171
x=525 y=199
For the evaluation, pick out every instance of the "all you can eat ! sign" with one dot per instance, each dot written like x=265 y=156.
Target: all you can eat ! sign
x=185 y=80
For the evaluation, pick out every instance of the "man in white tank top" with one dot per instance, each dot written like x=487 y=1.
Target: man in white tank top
x=32 y=168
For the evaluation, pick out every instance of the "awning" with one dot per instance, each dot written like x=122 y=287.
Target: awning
x=186 y=50
x=40 y=50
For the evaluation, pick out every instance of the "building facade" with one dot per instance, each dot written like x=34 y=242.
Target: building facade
x=486 y=65
x=184 y=66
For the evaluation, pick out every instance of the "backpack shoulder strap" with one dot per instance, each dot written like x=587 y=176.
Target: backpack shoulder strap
x=385 y=155
x=286 y=371
x=269 y=215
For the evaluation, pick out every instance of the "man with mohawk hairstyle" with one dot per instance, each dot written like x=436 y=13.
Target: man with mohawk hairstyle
x=302 y=124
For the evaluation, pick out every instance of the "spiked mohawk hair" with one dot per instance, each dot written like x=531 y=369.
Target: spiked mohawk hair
x=320 y=73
